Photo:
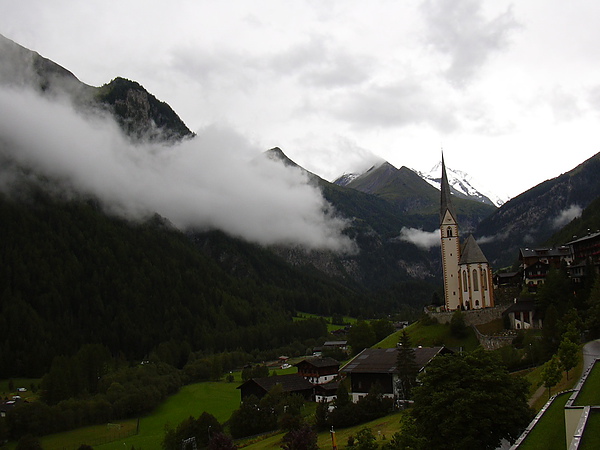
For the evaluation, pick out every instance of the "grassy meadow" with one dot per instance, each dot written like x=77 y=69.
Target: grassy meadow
x=431 y=336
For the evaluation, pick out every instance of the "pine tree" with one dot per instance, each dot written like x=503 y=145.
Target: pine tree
x=406 y=366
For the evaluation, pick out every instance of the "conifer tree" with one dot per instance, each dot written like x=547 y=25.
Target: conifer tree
x=406 y=366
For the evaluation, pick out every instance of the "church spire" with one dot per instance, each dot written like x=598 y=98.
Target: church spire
x=446 y=200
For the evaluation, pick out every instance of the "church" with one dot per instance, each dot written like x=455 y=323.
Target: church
x=467 y=275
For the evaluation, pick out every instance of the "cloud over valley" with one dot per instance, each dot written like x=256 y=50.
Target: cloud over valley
x=215 y=180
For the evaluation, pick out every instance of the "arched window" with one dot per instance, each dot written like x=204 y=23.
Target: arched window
x=465 y=284
x=449 y=232
x=475 y=283
x=484 y=276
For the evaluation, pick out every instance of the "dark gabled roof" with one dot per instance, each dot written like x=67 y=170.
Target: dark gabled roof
x=471 y=253
x=584 y=238
x=544 y=252
x=446 y=199
x=320 y=362
x=383 y=360
x=330 y=387
x=507 y=274
x=290 y=383
x=521 y=305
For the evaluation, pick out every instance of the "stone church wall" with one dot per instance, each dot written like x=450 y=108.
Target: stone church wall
x=472 y=317
x=478 y=317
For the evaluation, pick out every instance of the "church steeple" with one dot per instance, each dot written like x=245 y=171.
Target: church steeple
x=446 y=200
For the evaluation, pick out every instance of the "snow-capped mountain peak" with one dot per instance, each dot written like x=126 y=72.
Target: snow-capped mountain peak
x=462 y=185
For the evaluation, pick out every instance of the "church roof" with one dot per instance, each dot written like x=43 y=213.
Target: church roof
x=446 y=202
x=471 y=253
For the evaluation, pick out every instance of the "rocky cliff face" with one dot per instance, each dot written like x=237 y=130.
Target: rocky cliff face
x=140 y=114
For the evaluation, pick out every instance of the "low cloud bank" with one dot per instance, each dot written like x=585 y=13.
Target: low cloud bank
x=212 y=181
x=567 y=215
x=420 y=238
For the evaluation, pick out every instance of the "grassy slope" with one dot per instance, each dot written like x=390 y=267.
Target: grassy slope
x=431 y=336
x=549 y=433
x=382 y=428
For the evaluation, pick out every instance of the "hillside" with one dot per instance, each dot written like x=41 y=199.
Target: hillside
x=138 y=112
x=74 y=275
x=413 y=196
x=531 y=218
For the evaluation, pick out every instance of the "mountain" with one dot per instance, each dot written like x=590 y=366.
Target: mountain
x=534 y=216
x=415 y=197
x=461 y=184
x=139 y=113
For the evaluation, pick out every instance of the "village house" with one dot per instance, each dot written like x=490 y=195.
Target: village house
x=318 y=370
x=523 y=315
x=379 y=366
x=291 y=383
x=536 y=263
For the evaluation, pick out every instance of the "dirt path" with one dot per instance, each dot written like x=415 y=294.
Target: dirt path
x=537 y=394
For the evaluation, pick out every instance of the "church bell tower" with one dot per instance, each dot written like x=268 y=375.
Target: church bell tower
x=450 y=246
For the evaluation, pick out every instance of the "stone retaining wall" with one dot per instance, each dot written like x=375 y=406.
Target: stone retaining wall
x=479 y=317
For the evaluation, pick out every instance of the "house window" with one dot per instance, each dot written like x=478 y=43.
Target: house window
x=475 y=283
x=449 y=232
x=465 y=284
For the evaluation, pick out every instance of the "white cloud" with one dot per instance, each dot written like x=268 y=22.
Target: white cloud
x=420 y=238
x=567 y=215
x=460 y=30
x=212 y=181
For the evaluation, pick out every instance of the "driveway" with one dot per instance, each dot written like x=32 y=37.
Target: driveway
x=591 y=351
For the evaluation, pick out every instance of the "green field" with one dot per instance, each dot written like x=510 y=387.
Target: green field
x=549 y=433
x=590 y=392
x=330 y=327
x=218 y=398
x=383 y=428
x=591 y=436
x=432 y=336
x=19 y=383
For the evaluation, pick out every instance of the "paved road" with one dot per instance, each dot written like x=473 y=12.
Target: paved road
x=591 y=351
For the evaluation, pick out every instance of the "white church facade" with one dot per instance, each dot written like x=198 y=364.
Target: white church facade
x=467 y=274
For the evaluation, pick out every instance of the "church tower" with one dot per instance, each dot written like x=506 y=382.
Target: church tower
x=467 y=275
x=450 y=246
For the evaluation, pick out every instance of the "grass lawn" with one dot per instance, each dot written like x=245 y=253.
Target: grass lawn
x=219 y=398
x=19 y=383
x=535 y=378
x=431 y=336
x=590 y=393
x=591 y=436
x=549 y=433
x=330 y=327
x=382 y=428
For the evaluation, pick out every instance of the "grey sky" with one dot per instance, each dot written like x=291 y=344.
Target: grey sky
x=508 y=89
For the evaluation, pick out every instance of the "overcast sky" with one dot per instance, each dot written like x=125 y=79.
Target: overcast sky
x=510 y=90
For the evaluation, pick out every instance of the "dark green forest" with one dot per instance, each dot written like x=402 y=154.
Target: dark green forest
x=73 y=275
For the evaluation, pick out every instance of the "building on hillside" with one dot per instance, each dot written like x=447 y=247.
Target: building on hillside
x=326 y=392
x=586 y=255
x=467 y=274
x=291 y=383
x=335 y=345
x=318 y=370
x=523 y=315
x=379 y=366
x=535 y=263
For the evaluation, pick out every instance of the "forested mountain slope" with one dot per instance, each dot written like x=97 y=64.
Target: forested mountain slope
x=533 y=217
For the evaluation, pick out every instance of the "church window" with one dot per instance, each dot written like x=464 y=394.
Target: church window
x=449 y=232
x=465 y=284
x=475 y=283
x=484 y=280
